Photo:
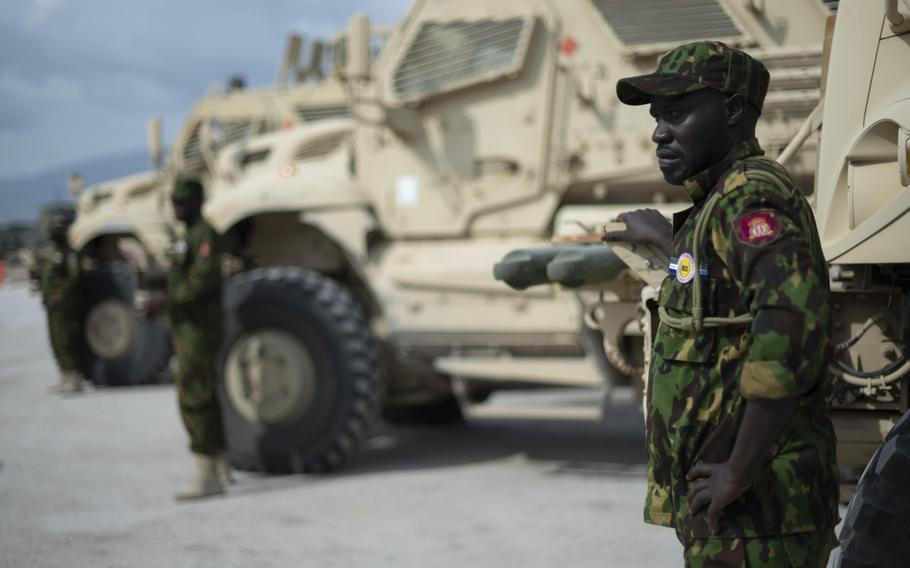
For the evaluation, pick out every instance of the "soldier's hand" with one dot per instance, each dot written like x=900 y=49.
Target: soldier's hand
x=644 y=226
x=718 y=485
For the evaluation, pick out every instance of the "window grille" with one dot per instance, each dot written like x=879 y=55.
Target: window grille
x=312 y=114
x=320 y=146
x=445 y=56
x=641 y=22
x=192 y=150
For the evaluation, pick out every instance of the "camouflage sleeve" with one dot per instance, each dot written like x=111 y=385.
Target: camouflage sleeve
x=58 y=280
x=45 y=276
x=203 y=276
x=761 y=241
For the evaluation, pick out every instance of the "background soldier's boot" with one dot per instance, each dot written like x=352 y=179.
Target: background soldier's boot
x=207 y=481
x=70 y=382
x=225 y=471
x=61 y=382
x=74 y=382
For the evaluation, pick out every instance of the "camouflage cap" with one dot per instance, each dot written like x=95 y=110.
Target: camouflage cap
x=699 y=65
x=186 y=188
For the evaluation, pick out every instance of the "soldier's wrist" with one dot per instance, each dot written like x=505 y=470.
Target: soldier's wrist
x=742 y=474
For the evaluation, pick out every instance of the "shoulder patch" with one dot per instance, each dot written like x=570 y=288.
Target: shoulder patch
x=757 y=228
x=204 y=249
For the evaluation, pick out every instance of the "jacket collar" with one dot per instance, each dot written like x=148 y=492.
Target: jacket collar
x=699 y=185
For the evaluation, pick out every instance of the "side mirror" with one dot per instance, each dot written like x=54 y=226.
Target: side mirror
x=314 y=68
x=154 y=142
x=291 y=59
x=358 y=48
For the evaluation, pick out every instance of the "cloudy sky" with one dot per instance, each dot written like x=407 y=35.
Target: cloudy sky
x=79 y=78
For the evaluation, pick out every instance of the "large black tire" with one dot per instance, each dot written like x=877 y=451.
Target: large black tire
x=145 y=357
x=619 y=372
x=329 y=413
x=876 y=530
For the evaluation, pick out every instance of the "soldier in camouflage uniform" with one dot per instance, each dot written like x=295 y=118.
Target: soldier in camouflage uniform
x=59 y=276
x=195 y=316
x=741 y=446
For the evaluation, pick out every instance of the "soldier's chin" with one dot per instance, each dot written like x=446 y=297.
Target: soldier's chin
x=674 y=174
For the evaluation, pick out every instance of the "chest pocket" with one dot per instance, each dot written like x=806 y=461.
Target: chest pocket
x=688 y=346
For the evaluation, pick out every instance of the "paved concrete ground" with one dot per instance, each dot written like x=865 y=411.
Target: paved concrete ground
x=87 y=481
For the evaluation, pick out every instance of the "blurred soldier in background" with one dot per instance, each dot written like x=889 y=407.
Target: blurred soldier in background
x=741 y=446
x=193 y=301
x=58 y=270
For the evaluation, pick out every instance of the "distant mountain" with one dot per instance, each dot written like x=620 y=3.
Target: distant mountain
x=21 y=196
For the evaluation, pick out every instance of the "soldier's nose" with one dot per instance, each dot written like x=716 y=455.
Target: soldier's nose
x=660 y=135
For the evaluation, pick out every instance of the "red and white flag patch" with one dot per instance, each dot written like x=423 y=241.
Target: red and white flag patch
x=759 y=228
x=204 y=249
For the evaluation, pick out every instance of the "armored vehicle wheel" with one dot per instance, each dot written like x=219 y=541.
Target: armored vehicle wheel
x=300 y=375
x=878 y=519
x=119 y=346
x=616 y=368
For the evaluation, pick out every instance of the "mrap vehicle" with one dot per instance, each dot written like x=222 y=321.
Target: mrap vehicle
x=366 y=243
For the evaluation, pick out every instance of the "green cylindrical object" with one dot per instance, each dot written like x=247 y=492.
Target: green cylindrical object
x=581 y=265
x=522 y=268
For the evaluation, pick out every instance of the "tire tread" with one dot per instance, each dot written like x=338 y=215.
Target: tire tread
x=357 y=346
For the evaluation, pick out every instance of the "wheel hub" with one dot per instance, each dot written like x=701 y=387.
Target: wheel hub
x=270 y=377
x=110 y=329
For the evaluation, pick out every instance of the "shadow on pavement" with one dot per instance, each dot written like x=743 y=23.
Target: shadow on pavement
x=611 y=447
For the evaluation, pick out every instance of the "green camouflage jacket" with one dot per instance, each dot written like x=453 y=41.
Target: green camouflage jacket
x=194 y=281
x=760 y=257
x=59 y=274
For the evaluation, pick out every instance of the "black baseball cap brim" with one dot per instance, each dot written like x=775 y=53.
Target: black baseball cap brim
x=639 y=90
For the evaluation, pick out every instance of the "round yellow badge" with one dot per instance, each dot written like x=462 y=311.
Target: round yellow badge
x=685 y=268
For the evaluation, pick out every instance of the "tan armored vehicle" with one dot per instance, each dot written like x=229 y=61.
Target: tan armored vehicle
x=126 y=225
x=862 y=208
x=476 y=131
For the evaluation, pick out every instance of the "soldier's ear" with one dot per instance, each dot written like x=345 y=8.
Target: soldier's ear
x=735 y=109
